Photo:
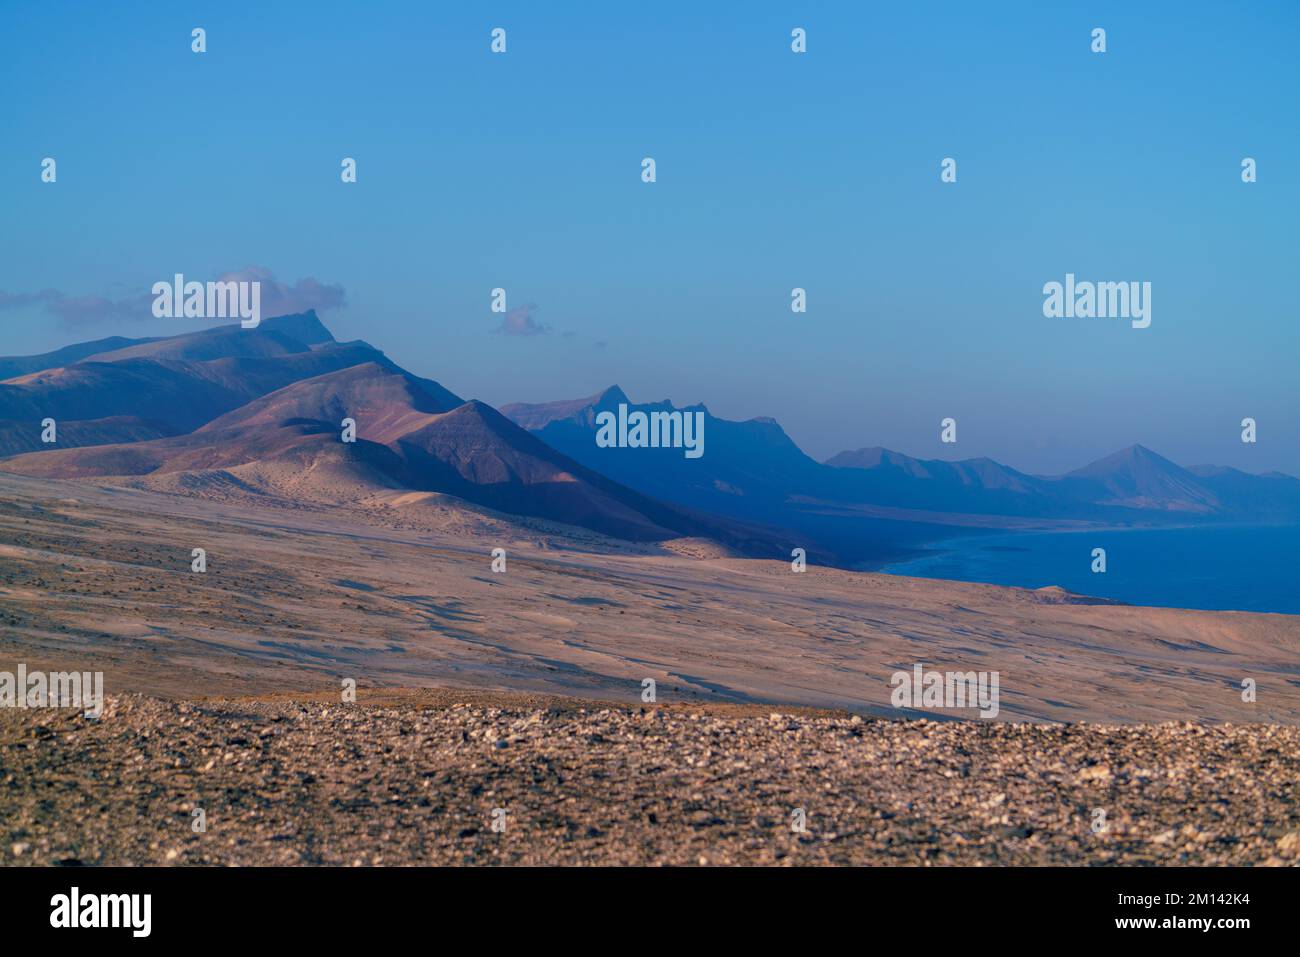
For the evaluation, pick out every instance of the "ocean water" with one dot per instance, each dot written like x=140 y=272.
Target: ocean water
x=1234 y=568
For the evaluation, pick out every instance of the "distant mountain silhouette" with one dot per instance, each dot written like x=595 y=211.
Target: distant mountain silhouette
x=753 y=462
x=261 y=409
x=1270 y=495
x=753 y=470
x=1136 y=477
x=976 y=485
x=968 y=473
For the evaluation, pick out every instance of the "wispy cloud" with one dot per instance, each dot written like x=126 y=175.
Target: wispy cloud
x=278 y=298
x=520 y=322
x=18 y=300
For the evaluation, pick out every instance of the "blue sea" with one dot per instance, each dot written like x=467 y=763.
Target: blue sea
x=1234 y=568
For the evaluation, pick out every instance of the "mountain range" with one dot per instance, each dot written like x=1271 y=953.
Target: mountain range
x=261 y=410
x=753 y=470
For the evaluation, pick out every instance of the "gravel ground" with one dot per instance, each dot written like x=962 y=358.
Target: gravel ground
x=414 y=778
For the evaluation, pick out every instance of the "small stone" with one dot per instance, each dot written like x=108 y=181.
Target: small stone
x=1288 y=845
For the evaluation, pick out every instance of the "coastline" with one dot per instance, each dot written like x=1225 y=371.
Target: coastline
x=984 y=559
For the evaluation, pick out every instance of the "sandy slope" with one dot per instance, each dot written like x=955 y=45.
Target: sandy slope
x=398 y=591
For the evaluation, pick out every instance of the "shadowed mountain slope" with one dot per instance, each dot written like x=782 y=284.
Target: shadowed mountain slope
x=171 y=386
x=411 y=433
x=281 y=335
x=11 y=366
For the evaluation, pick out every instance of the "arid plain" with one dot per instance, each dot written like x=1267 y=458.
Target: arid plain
x=399 y=592
x=520 y=691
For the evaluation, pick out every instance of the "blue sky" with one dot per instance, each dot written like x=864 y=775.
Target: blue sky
x=775 y=170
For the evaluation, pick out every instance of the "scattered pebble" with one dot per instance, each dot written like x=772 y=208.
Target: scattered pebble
x=417 y=783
